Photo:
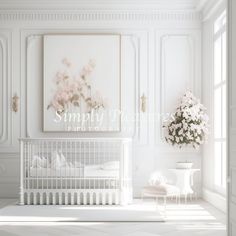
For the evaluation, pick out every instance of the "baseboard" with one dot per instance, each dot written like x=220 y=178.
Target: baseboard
x=215 y=199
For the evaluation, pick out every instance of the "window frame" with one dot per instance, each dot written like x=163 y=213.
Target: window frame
x=219 y=34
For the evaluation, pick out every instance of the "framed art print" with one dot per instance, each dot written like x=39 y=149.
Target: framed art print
x=81 y=82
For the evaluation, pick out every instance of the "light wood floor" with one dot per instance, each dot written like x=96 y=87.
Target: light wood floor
x=192 y=219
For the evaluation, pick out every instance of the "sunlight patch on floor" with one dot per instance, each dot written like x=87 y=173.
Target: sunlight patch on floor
x=186 y=212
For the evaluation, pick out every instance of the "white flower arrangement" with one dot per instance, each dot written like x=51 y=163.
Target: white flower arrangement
x=188 y=126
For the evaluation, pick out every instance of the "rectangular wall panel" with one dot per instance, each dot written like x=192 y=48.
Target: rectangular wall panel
x=178 y=67
x=5 y=91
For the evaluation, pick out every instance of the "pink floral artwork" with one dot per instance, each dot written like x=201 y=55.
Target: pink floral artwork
x=73 y=90
x=81 y=83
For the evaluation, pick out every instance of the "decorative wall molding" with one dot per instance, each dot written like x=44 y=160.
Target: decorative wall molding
x=71 y=4
x=29 y=43
x=99 y=15
x=2 y=80
x=31 y=40
x=6 y=82
x=135 y=42
x=161 y=110
x=190 y=85
x=143 y=88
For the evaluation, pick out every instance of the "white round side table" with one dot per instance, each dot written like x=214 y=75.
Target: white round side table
x=184 y=180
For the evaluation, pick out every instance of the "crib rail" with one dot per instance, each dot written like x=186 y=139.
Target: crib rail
x=75 y=171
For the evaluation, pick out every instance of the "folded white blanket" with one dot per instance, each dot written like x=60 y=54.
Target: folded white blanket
x=58 y=161
x=111 y=165
x=39 y=162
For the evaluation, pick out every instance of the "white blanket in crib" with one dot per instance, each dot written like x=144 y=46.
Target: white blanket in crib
x=50 y=172
x=60 y=167
x=86 y=171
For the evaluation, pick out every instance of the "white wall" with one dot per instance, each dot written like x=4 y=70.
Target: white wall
x=161 y=58
x=210 y=193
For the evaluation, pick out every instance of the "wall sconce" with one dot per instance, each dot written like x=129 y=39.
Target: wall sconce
x=15 y=100
x=143 y=103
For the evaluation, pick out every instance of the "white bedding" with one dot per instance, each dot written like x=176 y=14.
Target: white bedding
x=49 y=172
x=58 y=166
x=87 y=171
x=96 y=171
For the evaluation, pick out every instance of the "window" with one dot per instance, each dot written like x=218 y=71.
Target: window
x=220 y=101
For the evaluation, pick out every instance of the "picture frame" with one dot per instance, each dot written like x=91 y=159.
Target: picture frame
x=82 y=83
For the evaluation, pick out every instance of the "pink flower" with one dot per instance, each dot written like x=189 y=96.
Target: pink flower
x=65 y=96
x=59 y=77
x=56 y=105
x=88 y=68
x=66 y=62
x=72 y=88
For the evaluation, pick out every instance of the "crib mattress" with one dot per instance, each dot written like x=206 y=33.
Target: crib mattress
x=96 y=171
x=62 y=172
x=86 y=171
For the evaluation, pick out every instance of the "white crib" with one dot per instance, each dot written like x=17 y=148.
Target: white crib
x=75 y=171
